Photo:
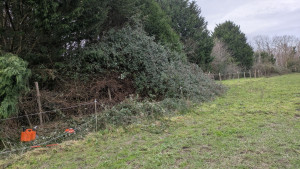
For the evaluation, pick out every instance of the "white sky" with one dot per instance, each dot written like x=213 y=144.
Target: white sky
x=255 y=17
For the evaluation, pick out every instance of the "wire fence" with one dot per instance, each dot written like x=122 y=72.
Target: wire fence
x=237 y=75
x=91 y=125
x=101 y=117
x=19 y=146
x=50 y=111
x=22 y=149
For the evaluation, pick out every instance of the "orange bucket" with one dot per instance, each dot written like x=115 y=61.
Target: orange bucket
x=28 y=135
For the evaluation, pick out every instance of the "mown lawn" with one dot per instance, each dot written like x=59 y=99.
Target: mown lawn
x=255 y=125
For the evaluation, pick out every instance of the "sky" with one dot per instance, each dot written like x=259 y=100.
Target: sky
x=255 y=17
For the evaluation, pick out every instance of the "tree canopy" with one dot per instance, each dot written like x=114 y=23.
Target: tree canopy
x=192 y=29
x=236 y=42
x=156 y=43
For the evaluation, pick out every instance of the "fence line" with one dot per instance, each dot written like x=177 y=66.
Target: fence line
x=46 y=142
x=220 y=76
x=55 y=110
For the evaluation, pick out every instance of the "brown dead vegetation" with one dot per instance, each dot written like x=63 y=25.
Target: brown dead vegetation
x=66 y=96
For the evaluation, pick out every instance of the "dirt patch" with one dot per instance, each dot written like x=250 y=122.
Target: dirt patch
x=246 y=152
x=205 y=148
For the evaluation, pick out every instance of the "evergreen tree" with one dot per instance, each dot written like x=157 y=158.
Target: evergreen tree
x=14 y=77
x=192 y=28
x=42 y=31
x=157 y=24
x=236 y=41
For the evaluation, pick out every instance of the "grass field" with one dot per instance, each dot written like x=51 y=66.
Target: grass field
x=255 y=125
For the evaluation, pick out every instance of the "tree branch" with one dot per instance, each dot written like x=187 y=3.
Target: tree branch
x=9 y=16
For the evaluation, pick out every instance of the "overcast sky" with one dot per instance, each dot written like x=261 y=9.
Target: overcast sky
x=255 y=17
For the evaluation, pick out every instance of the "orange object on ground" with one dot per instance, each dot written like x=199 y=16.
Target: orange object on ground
x=70 y=130
x=35 y=146
x=50 y=145
x=28 y=135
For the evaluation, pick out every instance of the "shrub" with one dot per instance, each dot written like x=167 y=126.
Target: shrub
x=132 y=110
x=269 y=68
x=223 y=61
x=294 y=64
x=157 y=71
x=14 y=77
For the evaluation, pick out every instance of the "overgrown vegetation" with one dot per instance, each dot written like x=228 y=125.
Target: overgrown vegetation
x=157 y=71
x=138 y=40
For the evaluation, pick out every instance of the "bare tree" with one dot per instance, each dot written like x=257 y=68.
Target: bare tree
x=223 y=61
x=283 y=48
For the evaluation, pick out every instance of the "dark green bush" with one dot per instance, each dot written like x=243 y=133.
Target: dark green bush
x=156 y=71
x=14 y=77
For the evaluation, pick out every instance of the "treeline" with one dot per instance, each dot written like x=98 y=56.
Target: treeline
x=270 y=55
x=161 y=46
x=43 y=32
x=277 y=54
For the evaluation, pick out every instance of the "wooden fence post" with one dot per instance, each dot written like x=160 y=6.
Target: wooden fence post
x=220 y=77
x=96 y=127
x=244 y=75
x=38 y=94
x=250 y=73
x=255 y=73
x=109 y=94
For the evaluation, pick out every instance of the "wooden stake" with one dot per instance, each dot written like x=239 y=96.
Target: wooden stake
x=238 y=75
x=244 y=75
x=109 y=94
x=250 y=73
x=96 y=127
x=220 y=77
x=4 y=144
x=39 y=101
x=28 y=119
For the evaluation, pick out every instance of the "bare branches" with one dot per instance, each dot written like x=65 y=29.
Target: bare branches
x=9 y=16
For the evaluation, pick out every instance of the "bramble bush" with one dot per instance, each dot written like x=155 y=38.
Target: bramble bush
x=14 y=77
x=156 y=71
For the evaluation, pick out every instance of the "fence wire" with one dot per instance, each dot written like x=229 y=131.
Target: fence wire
x=50 y=111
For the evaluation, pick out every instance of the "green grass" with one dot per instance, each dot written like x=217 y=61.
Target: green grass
x=255 y=125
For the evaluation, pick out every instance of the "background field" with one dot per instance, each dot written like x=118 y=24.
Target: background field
x=255 y=125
